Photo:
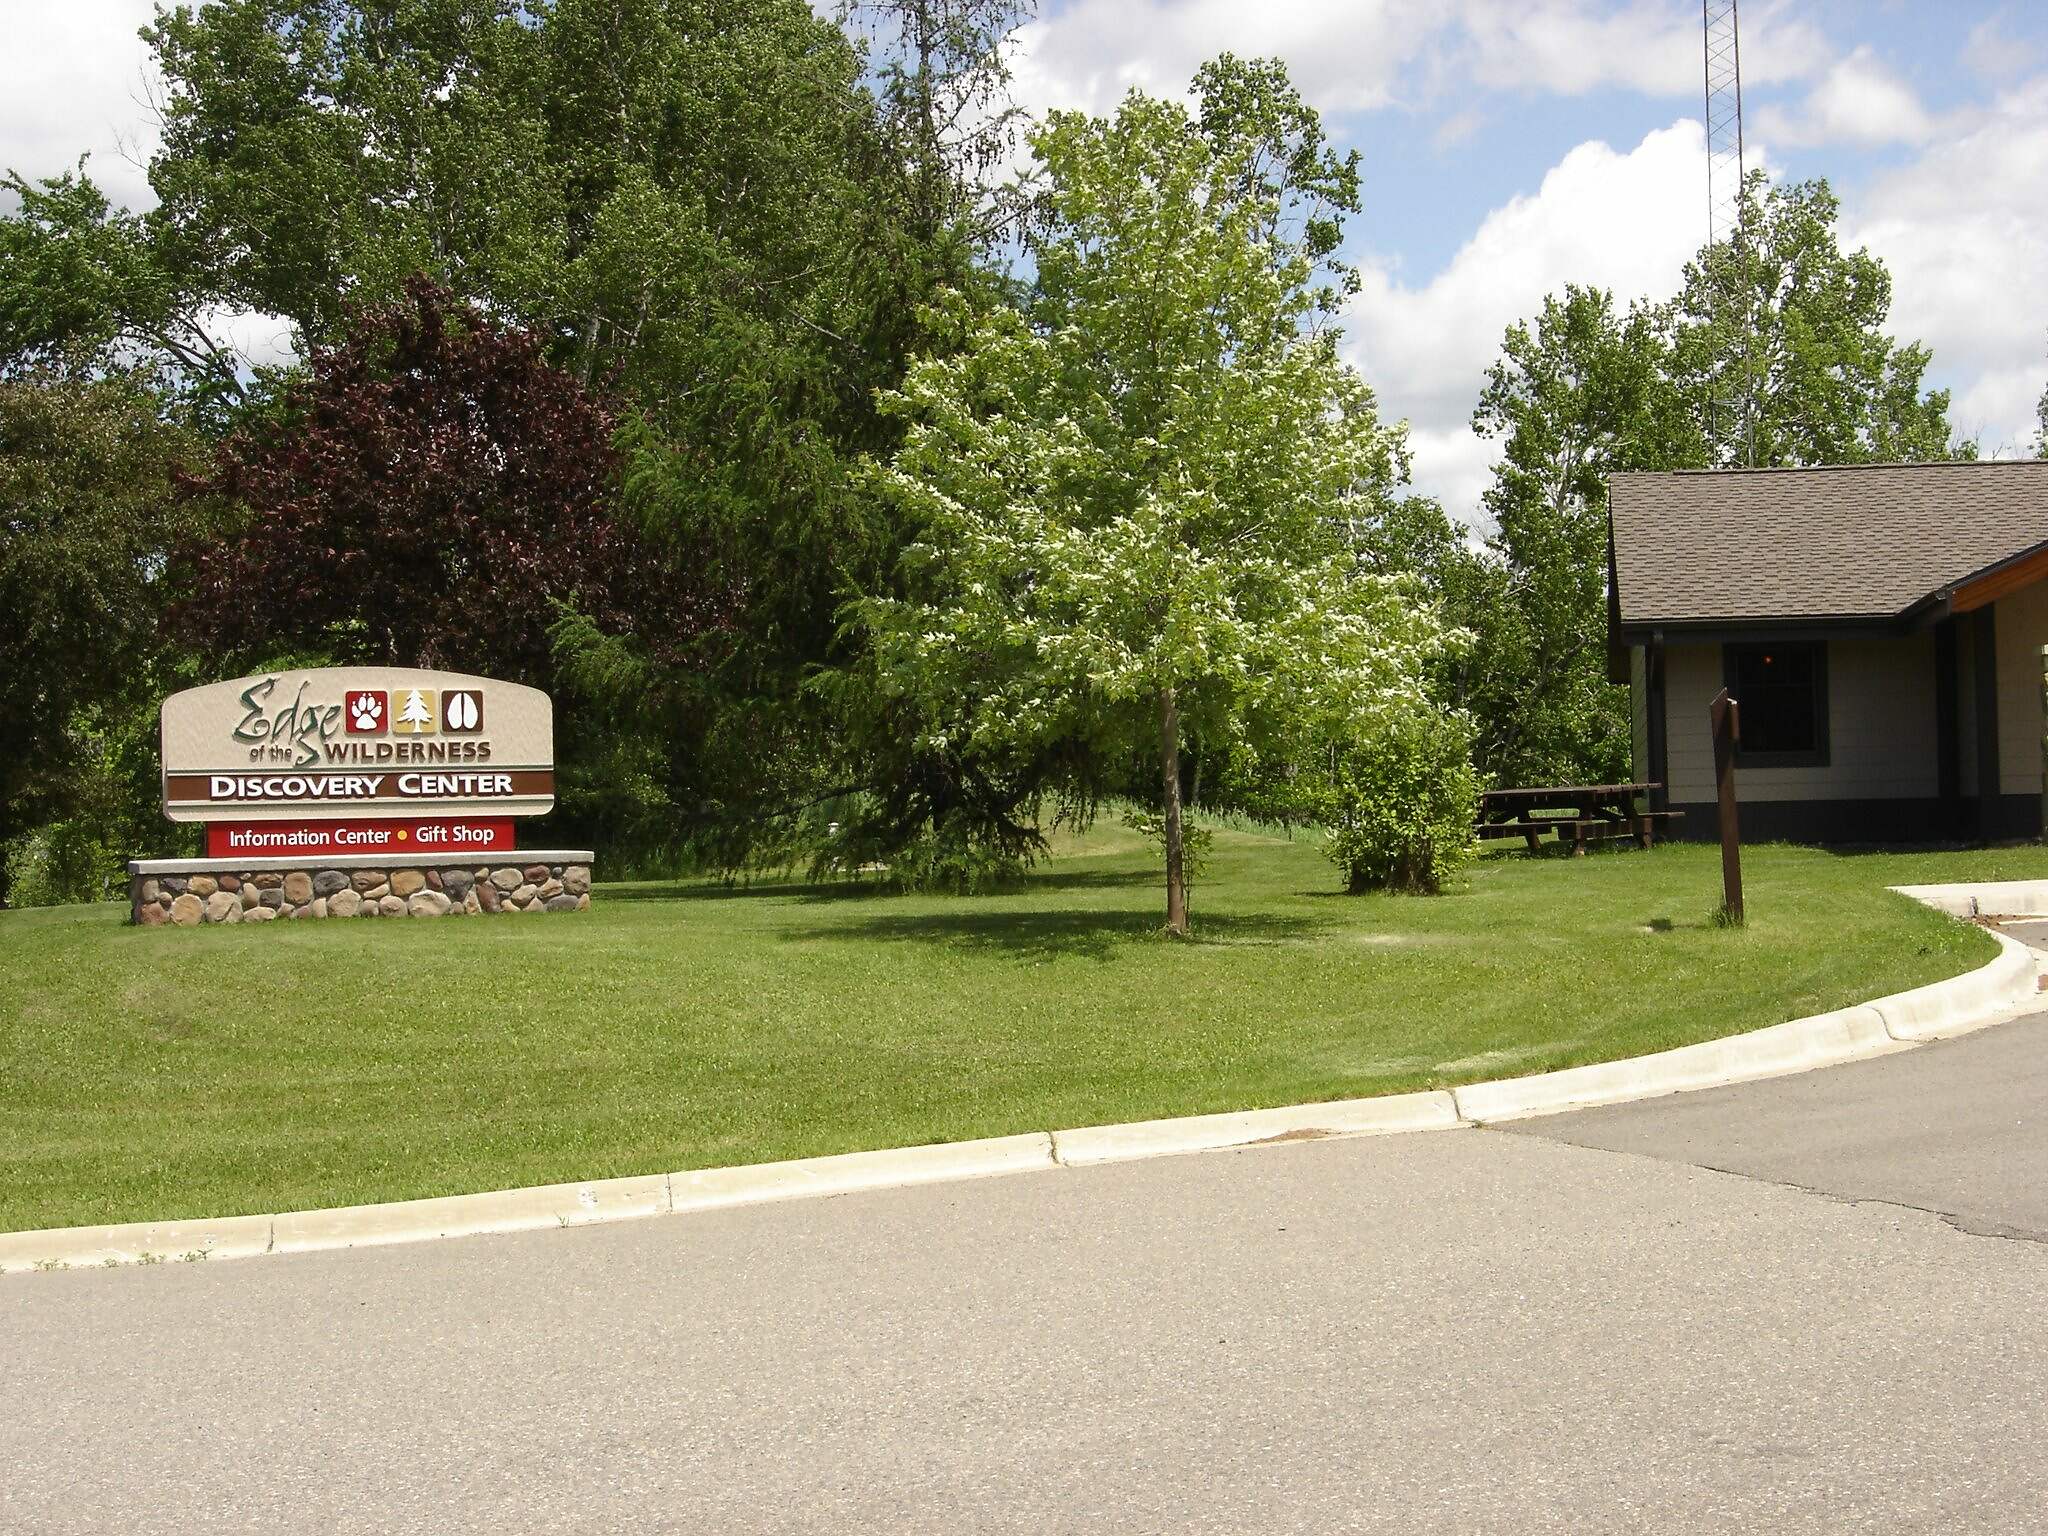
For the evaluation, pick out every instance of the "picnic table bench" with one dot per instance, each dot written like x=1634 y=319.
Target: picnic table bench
x=1581 y=810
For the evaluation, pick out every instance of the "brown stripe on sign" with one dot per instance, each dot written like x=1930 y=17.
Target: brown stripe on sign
x=525 y=784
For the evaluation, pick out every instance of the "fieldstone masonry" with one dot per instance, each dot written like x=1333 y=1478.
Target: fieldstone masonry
x=412 y=890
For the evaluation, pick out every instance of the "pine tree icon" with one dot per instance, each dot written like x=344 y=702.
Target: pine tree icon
x=416 y=716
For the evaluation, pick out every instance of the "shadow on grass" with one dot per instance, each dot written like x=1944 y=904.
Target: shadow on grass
x=698 y=890
x=1885 y=850
x=1040 y=935
x=1561 y=848
x=850 y=891
x=1364 y=899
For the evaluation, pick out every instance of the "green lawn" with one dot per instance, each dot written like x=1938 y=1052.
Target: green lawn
x=159 y=1073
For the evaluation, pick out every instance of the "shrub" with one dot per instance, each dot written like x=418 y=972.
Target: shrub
x=63 y=862
x=1401 y=801
x=856 y=836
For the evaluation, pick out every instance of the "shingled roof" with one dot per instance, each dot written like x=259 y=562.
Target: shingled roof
x=1861 y=541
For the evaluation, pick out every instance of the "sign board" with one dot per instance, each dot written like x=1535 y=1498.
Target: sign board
x=344 y=743
x=326 y=839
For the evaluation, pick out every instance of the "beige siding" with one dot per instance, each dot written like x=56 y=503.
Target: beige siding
x=1881 y=738
x=2022 y=621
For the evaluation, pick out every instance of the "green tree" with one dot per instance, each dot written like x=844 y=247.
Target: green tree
x=1130 y=497
x=83 y=287
x=1773 y=353
x=316 y=153
x=88 y=521
x=697 y=205
x=1580 y=394
x=1779 y=350
x=1399 y=802
x=944 y=74
x=628 y=177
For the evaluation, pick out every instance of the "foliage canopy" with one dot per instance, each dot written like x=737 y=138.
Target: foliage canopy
x=1128 y=496
x=88 y=527
x=1774 y=352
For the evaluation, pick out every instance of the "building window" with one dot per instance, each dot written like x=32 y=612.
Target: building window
x=1783 y=691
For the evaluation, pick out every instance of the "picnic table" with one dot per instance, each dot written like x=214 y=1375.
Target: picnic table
x=1581 y=810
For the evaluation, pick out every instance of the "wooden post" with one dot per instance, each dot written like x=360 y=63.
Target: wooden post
x=1725 y=716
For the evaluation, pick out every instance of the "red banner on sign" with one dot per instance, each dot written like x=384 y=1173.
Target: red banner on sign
x=328 y=839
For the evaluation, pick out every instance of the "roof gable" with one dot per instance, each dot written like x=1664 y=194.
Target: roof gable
x=1863 y=541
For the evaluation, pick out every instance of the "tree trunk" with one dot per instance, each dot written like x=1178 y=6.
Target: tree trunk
x=1169 y=783
x=589 y=350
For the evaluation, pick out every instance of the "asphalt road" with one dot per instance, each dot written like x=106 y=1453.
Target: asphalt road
x=1958 y=1128
x=1569 y=1327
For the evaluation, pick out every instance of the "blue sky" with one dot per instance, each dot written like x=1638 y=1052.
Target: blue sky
x=1510 y=146
x=1452 y=161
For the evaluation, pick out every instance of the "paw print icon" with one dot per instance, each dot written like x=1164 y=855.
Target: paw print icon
x=364 y=711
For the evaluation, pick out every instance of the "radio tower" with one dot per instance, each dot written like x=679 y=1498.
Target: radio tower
x=1730 y=286
x=1724 y=120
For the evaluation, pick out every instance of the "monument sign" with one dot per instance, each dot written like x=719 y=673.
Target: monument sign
x=363 y=740
x=398 y=783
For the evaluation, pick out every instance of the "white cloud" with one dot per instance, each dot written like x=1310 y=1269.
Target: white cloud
x=1997 y=408
x=1569 y=47
x=1456 y=129
x=1858 y=101
x=1601 y=217
x=73 y=78
x=259 y=340
x=1993 y=52
x=1345 y=55
x=1354 y=55
x=1965 y=234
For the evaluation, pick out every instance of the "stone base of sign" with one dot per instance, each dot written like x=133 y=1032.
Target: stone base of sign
x=186 y=893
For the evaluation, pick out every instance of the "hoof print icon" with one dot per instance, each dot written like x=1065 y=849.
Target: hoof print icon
x=462 y=711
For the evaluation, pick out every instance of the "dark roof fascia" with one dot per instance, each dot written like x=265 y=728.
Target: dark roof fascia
x=1931 y=609
x=1617 y=646
x=1860 y=626
x=1949 y=589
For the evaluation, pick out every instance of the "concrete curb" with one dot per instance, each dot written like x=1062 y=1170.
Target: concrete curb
x=705 y=1189
x=1799 y=1046
x=139 y=1242
x=2004 y=988
x=1435 y=1111
x=1983 y=898
x=1964 y=1002
x=1996 y=990
x=501 y=1210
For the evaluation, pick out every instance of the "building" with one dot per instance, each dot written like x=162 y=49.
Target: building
x=1881 y=626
